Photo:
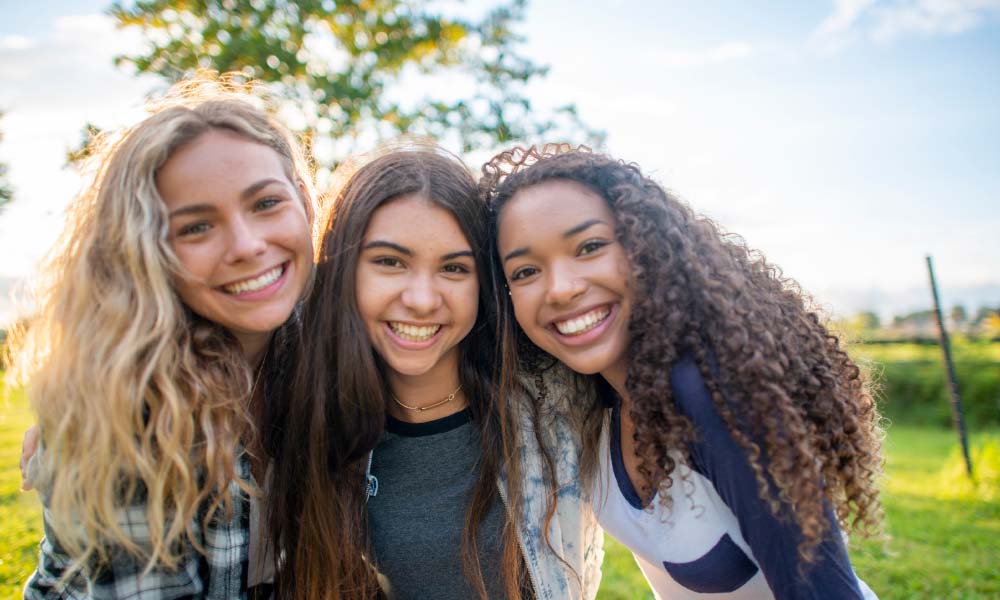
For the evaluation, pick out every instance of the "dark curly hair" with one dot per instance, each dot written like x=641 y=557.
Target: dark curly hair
x=790 y=395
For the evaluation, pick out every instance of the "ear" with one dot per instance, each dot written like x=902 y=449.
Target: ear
x=307 y=199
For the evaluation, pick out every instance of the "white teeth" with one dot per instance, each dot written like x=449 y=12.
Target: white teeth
x=584 y=322
x=414 y=333
x=257 y=283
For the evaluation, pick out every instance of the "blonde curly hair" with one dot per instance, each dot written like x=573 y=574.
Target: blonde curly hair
x=139 y=400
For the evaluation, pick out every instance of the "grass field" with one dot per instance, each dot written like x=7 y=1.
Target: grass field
x=945 y=532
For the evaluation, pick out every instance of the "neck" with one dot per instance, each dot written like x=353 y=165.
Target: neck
x=254 y=347
x=615 y=375
x=427 y=389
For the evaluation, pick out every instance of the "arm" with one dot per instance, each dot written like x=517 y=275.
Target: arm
x=52 y=564
x=123 y=578
x=719 y=457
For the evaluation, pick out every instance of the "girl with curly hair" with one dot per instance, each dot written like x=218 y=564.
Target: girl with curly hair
x=162 y=313
x=731 y=437
x=401 y=418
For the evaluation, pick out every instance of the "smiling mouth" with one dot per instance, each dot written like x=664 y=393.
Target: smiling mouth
x=583 y=323
x=257 y=283
x=413 y=333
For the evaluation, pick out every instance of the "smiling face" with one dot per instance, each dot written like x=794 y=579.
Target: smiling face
x=417 y=290
x=241 y=230
x=568 y=275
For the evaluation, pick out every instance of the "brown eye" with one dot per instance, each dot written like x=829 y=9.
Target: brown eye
x=388 y=261
x=455 y=268
x=522 y=273
x=591 y=246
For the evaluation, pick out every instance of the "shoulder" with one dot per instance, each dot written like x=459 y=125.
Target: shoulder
x=691 y=393
x=554 y=388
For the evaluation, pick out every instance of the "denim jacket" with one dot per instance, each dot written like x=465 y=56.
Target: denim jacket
x=574 y=534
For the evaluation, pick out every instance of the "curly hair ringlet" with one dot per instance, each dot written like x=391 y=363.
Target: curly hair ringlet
x=787 y=390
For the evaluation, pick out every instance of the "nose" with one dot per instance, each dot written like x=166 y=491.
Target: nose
x=564 y=285
x=422 y=295
x=245 y=241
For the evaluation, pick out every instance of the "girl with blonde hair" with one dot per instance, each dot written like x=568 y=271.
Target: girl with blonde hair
x=162 y=315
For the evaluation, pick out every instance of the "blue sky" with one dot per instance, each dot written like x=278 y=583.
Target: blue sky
x=844 y=139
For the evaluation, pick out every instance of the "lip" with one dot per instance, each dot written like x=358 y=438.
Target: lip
x=409 y=344
x=589 y=336
x=263 y=293
x=579 y=313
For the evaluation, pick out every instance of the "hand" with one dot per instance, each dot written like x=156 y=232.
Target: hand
x=28 y=448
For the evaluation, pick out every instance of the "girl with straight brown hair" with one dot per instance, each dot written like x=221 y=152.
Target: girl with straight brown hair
x=439 y=467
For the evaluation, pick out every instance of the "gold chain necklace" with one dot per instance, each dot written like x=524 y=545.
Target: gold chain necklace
x=446 y=400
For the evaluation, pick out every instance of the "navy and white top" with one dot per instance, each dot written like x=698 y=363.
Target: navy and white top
x=719 y=540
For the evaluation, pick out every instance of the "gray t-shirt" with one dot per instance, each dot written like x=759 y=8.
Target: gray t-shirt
x=425 y=473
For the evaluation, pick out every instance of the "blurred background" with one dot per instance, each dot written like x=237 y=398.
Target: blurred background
x=845 y=139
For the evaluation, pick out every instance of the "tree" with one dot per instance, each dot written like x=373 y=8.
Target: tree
x=868 y=321
x=6 y=191
x=958 y=314
x=982 y=313
x=341 y=66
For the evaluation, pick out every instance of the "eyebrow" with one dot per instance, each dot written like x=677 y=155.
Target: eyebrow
x=515 y=253
x=567 y=234
x=459 y=254
x=245 y=194
x=408 y=252
x=585 y=225
x=253 y=189
x=389 y=245
x=191 y=209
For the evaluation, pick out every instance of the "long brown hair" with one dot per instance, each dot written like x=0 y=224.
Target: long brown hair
x=791 y=393
x=336 y=404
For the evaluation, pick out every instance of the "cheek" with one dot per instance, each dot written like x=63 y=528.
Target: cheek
x=619 y=272
x=517 y=300
x=198 y=261
x=525 y=303
x=367 y=294
x=467 y=301
x=192 y=295
x=300 y=236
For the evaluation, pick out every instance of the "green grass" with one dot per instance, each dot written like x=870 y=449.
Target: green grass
x=945 y=532
x=913 y=386
x=20 y=513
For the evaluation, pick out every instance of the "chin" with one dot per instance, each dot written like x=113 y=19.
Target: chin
x=585 y=365
x=409 y=370
x=584 y=368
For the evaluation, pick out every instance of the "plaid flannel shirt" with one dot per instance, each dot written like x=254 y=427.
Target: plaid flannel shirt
x=219 y=574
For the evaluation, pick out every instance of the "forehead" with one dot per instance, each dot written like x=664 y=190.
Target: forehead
x=215 y=162
x=551 y=207
x=423 y=223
